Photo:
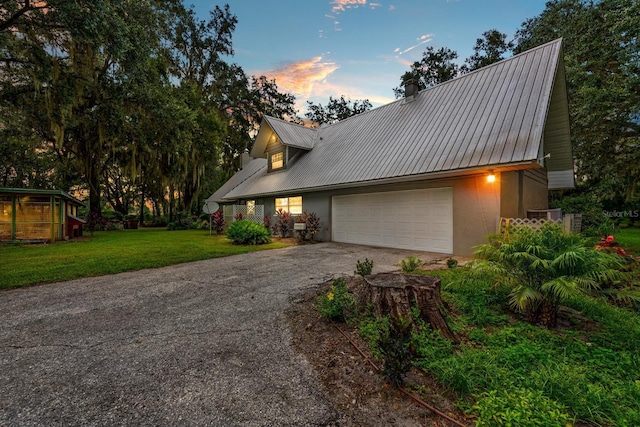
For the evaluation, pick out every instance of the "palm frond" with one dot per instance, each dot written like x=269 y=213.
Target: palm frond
x=625 y=295
x=524 y=297
x=560 y=287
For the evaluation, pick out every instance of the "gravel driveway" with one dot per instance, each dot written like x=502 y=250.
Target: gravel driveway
x=202 y=343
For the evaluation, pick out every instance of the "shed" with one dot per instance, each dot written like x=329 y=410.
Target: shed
x=38 y=215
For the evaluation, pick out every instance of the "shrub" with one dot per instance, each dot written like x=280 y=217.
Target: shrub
x=337 y=303
x=267 y=222
x=183 y=221
x=364 y=268
x=452 y=263
x=246 y=232
x=313 y=223
x=519 y=407
x=395 y=346
x=217 y=221
x=282 y=226
x=594 y=221
x=238 y=216
x=410 y=264
x=543 y=267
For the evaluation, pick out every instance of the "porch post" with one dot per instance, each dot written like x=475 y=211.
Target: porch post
x=61 y=218
x=13 y=217
x=52 y=203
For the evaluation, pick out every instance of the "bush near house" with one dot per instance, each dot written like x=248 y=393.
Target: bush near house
x=247 y=232
x=543 y=267
x=283 y=225
x=217 y=221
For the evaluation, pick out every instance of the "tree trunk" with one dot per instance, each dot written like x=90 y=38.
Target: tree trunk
x=545 y=314
x=93 y=180
x=394 y=294
x=142 y=208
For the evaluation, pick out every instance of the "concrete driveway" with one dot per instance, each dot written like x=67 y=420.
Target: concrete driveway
x=202 y=343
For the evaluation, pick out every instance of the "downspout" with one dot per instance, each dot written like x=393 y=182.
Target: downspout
x=521 y=194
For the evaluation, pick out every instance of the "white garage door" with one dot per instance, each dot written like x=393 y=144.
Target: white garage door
x=416 y=219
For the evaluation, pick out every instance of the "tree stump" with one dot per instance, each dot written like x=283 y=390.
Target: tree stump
x=394 y=294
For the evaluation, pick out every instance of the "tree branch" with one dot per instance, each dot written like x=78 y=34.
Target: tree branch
x=28 y=6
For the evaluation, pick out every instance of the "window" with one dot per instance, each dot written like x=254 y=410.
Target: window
x=277 y=160
x=293 y=205
x=251 y=207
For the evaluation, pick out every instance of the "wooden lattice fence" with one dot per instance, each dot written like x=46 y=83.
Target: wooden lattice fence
x=571 y=223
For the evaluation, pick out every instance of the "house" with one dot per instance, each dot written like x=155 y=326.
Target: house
x=433 y=171
x=38 y=215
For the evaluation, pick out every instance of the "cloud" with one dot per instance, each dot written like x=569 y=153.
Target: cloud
x=342 y=5
x=391 y=8
x=423 y=39
x=304 y=78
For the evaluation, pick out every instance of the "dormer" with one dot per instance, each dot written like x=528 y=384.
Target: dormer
x=281 y=142
x=277 y=154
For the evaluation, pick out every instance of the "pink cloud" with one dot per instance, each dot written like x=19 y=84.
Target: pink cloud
x=342 y=5
x=304 y=78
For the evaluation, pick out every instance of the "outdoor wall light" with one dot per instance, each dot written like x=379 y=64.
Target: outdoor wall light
x=491 y=177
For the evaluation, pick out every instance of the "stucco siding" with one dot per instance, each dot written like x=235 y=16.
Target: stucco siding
x=476 y=207
x=521 y=191
x=509 y=190
x=535 y=194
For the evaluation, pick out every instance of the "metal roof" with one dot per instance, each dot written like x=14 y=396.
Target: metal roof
x=36 y=192
x=291 y=134
x=492 y=117
x=238 y=178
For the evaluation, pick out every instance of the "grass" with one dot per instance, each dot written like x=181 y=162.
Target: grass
x=629 y=238
x=588 y=373
x=112 y=252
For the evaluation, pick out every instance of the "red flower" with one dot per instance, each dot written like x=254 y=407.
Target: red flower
x=609 y=239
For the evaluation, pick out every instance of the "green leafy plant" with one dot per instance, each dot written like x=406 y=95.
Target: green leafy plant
x=247 y=232
x=337 y=303
x=364 y=268
x=395 y=346
x=410 y=264
x=312 y=220
x=217 y=221
x=519 y=407
x=544 y=267
x=452 y=263
x=283 y=225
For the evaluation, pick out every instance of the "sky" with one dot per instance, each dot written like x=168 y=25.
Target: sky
x=357 y=48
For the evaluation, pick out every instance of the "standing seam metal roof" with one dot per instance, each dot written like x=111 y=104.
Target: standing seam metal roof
x=490 y=117
x=292 y=134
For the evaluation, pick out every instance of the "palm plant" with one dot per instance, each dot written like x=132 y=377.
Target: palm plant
x=543 y=267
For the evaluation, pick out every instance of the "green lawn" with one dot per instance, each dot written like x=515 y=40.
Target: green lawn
x=589 y=367
x=629 y=238
x=525 y=375
x=112 y=252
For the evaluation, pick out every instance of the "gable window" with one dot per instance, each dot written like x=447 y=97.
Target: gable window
x=293 y=205
x=277 y=160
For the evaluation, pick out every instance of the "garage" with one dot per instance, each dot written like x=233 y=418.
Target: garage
x=414 y=219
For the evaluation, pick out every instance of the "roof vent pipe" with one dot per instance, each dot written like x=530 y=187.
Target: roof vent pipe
x=411 y=88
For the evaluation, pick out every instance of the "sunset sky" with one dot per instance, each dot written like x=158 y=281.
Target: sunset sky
x=357 y=48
